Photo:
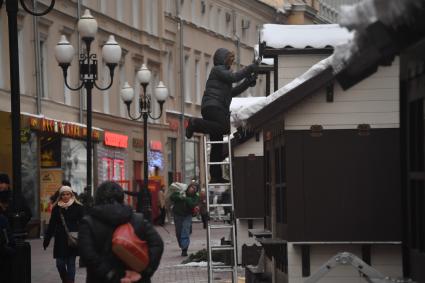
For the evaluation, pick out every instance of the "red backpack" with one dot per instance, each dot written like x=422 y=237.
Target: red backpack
x=129 y=248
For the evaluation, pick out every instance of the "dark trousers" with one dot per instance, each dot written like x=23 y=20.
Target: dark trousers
x=216 y=123
x=161 y=218
x=66 y=267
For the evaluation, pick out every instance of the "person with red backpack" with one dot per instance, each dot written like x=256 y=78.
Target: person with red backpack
x=97 y=232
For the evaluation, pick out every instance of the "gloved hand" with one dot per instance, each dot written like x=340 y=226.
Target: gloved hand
x=46 y=243
x=252 y=80
x=253 y=68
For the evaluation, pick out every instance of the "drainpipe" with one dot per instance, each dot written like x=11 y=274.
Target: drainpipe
x=38 y=79
x=237 y=42
x=182 y=132
x=81 y=96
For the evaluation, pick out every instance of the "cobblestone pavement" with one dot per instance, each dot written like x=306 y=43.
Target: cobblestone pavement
x=169 y=271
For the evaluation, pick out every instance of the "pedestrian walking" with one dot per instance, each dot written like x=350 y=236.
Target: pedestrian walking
x=161 y=206
x=66 y=215
x=184 y=203
x=7 y=247
x=215 y=106
x=144 y=201
x=86 y=199
x=10 y=206
x=95 y=238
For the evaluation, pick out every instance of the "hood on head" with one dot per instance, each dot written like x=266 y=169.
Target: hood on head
x=112 y=214
x=220 y=56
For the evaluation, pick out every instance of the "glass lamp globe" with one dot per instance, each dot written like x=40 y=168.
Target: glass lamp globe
x=144 y=75
x=64 y=51
x=127 y=93
x=111 y=51
x=161 y=92
x=87 y=25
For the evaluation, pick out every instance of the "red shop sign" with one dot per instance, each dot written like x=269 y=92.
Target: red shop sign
x=117 y=140
x=156 y=145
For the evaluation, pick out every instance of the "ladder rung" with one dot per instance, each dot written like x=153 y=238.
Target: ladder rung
x=219 y=163
x=221 y=217
x=215 y=142
x=219 y=184
x=222 y=248
x=221 y=205
x=223 y=269
x=223 y=226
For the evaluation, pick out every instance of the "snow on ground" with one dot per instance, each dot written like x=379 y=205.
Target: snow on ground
x=198 y=264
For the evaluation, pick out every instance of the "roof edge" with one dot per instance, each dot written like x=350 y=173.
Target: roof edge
x=293 y=97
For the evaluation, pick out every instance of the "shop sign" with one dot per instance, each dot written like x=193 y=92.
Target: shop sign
x=156 y=145
x=117 y=140
x=25 y=135
x=138 y=143
x=173 y=124
x=62 y=128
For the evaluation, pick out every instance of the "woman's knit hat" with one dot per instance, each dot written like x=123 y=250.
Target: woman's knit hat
x=65 y=189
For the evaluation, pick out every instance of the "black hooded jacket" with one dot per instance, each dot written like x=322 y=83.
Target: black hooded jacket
x=218 y=89
x=95 y=238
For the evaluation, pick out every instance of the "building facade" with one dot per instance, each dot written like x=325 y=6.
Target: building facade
x=175 y=39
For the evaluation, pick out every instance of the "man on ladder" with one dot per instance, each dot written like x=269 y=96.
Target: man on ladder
x=216 y=103
x=215 y=111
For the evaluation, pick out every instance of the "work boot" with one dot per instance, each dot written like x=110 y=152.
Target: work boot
x=189 y=129
x=219 y=180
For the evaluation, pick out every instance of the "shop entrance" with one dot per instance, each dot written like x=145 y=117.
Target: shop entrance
x=115 y=171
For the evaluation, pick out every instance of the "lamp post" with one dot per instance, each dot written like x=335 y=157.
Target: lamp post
x=64 y=53
x=21 y=271
x=161 y=94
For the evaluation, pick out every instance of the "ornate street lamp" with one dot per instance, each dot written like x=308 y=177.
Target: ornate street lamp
x=111 y=53
x=127 y=95
x=21 y=271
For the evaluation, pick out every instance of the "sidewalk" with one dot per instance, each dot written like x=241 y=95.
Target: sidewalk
x=169 y=271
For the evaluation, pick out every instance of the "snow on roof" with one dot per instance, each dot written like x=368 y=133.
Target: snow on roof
x=243 y=108
x=392 y=13
x=304 y=36
x=266 y=61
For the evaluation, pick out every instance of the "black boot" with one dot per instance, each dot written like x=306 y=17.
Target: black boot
x=63 y=277
x=189 y=129
x=184 y=252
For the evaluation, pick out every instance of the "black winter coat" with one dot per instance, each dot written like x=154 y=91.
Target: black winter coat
x=21 y=205
x=73 y=216
x=95 y=241
x=218 y=90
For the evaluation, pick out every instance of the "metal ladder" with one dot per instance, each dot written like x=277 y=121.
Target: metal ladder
x=228 y=224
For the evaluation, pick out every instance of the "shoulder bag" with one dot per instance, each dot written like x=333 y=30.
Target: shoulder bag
x=72 y=236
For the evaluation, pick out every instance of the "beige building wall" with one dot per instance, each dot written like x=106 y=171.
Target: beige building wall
x=148 y=33
x=374 y=101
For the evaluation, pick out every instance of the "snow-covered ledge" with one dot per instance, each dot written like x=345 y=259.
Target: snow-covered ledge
x=304 y=36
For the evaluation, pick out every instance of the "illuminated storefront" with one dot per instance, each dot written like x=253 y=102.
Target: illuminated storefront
x=112 y=156
x=52 y=151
